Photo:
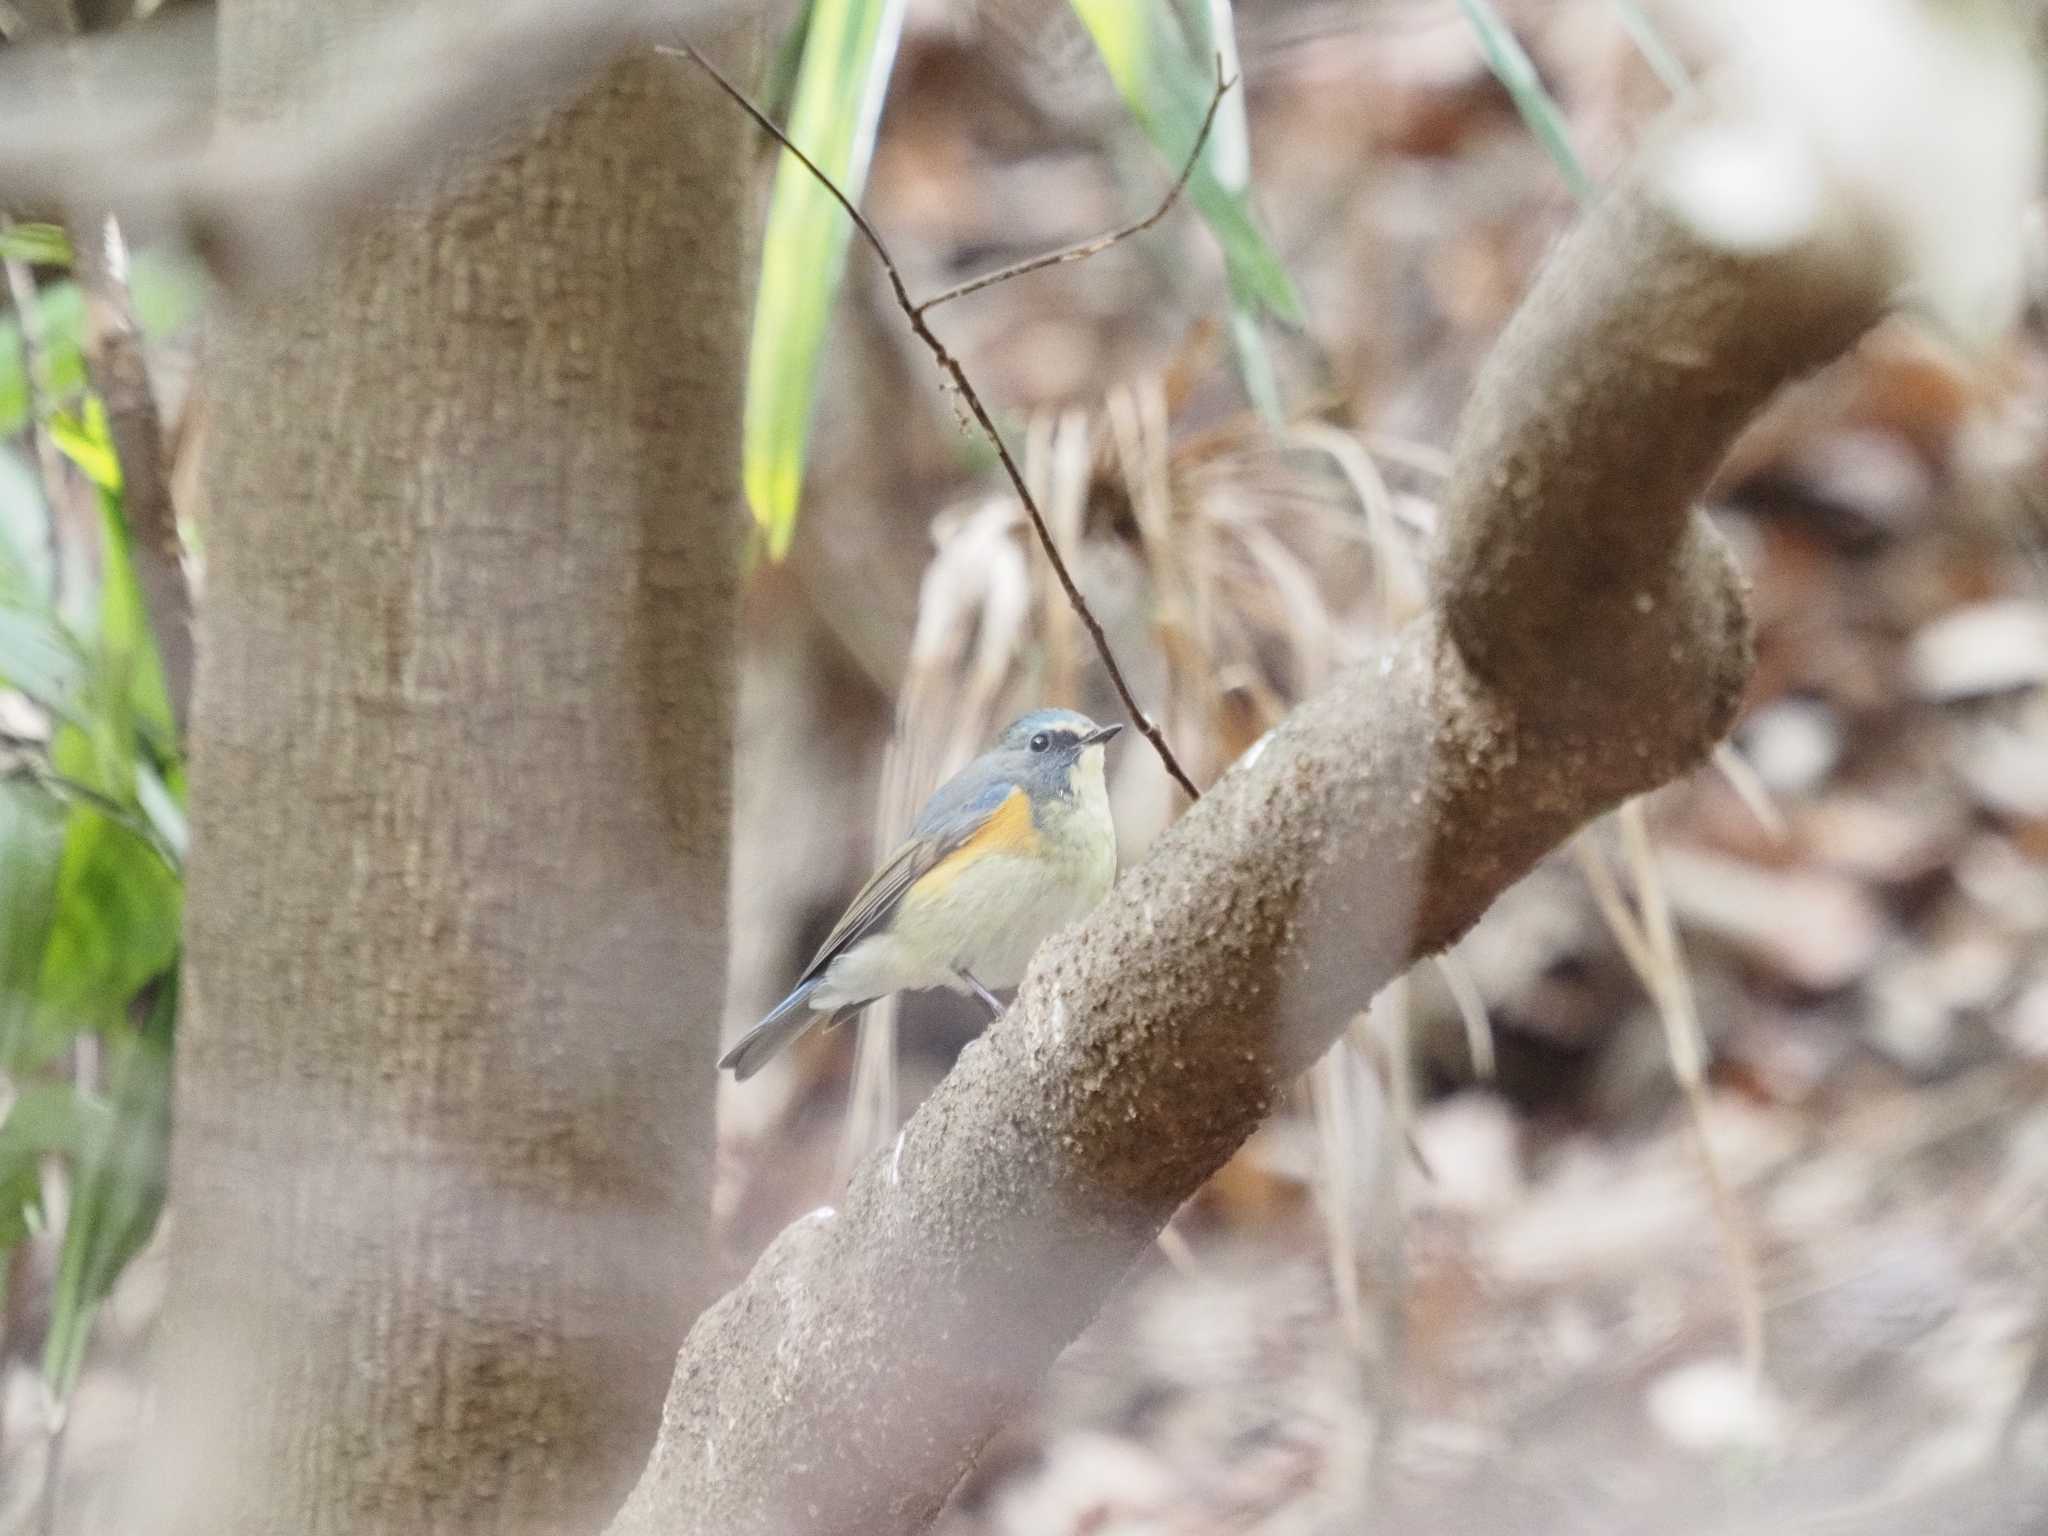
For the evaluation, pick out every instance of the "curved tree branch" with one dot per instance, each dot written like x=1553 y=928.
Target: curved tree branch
x=1589 y=642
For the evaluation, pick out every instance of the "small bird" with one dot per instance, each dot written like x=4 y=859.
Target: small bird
x=1014 y=846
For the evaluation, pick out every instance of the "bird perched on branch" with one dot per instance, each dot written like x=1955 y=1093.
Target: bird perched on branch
x=1014 y=846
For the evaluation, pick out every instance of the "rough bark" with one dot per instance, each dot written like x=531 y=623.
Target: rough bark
x=1588 y=642
x=460 y=795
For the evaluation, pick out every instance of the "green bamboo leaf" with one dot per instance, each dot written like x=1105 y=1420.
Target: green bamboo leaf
x=49 y=1117
x=90 y=910
x=32 y=837
x=129 y=659
x=1255 y=365
x=162 y=807
x=778 y=90
x=118 y=906
x=38 y=659
x=167 y=292
x=1656 y=52
x=849 y=49
x=127 y=688
x=43 y=245
x=84 y=440
x=45 y=1118
x=1512 y=66
x=60 y=310
x=119 y=900
x=1167 y=83
x=118 y=1189
x=1215 y=35
x=24 y=533
x=21 y=1207
x=114 y=928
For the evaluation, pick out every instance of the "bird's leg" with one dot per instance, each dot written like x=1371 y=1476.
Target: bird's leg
x=988 y=998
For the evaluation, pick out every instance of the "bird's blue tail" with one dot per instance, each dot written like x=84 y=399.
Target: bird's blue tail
x=785 y=1021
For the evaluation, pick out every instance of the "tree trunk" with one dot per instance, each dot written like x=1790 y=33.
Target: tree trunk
x=460 y=791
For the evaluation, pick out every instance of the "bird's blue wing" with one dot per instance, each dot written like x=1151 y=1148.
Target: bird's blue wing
x=959 y=807
x=956 y=811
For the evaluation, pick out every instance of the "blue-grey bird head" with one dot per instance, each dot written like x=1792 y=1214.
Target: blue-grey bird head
x=1047 y=745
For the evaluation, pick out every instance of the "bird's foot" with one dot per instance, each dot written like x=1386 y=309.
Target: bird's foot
x=988 y=998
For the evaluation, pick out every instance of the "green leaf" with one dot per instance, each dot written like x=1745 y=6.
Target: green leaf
x=849 y=49
x=119 y=900
x=43 y=245
x=778 y=90
x=132 y=667
x=24 y=534
x=39 y=660
x=21 y=1207
x=161 y=804
x=1215 y=35
x=49 y=1116
x=1512 y=66
x=44 y=1119
x=31 y=855
x=167 y=291
x=114 y=928
x=36 y=656
x=1255 y=365
x=90 y=909
x=128 y=692
x=1664 y=64
x=1167 y=85
x=118 y=1190
x=86 y=442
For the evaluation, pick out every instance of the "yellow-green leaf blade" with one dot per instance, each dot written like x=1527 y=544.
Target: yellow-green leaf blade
x=1516 y=71
x=43 y=245
x=849 y=50
x=1167 y=88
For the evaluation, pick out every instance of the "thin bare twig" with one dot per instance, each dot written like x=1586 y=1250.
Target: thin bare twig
x=1100 y=243
x=945 y=359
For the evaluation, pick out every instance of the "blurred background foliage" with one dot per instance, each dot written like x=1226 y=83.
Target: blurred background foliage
x=1825 y=962
x=92 y=833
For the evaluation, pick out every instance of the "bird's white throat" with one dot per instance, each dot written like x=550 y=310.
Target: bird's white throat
x=1090 y=787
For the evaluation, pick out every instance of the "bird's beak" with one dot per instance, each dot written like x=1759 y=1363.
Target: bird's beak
x=1100 y=735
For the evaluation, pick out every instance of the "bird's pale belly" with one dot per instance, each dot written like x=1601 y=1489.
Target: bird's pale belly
x=993 y=917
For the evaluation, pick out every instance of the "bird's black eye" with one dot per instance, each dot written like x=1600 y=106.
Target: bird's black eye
x=1040 y=742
